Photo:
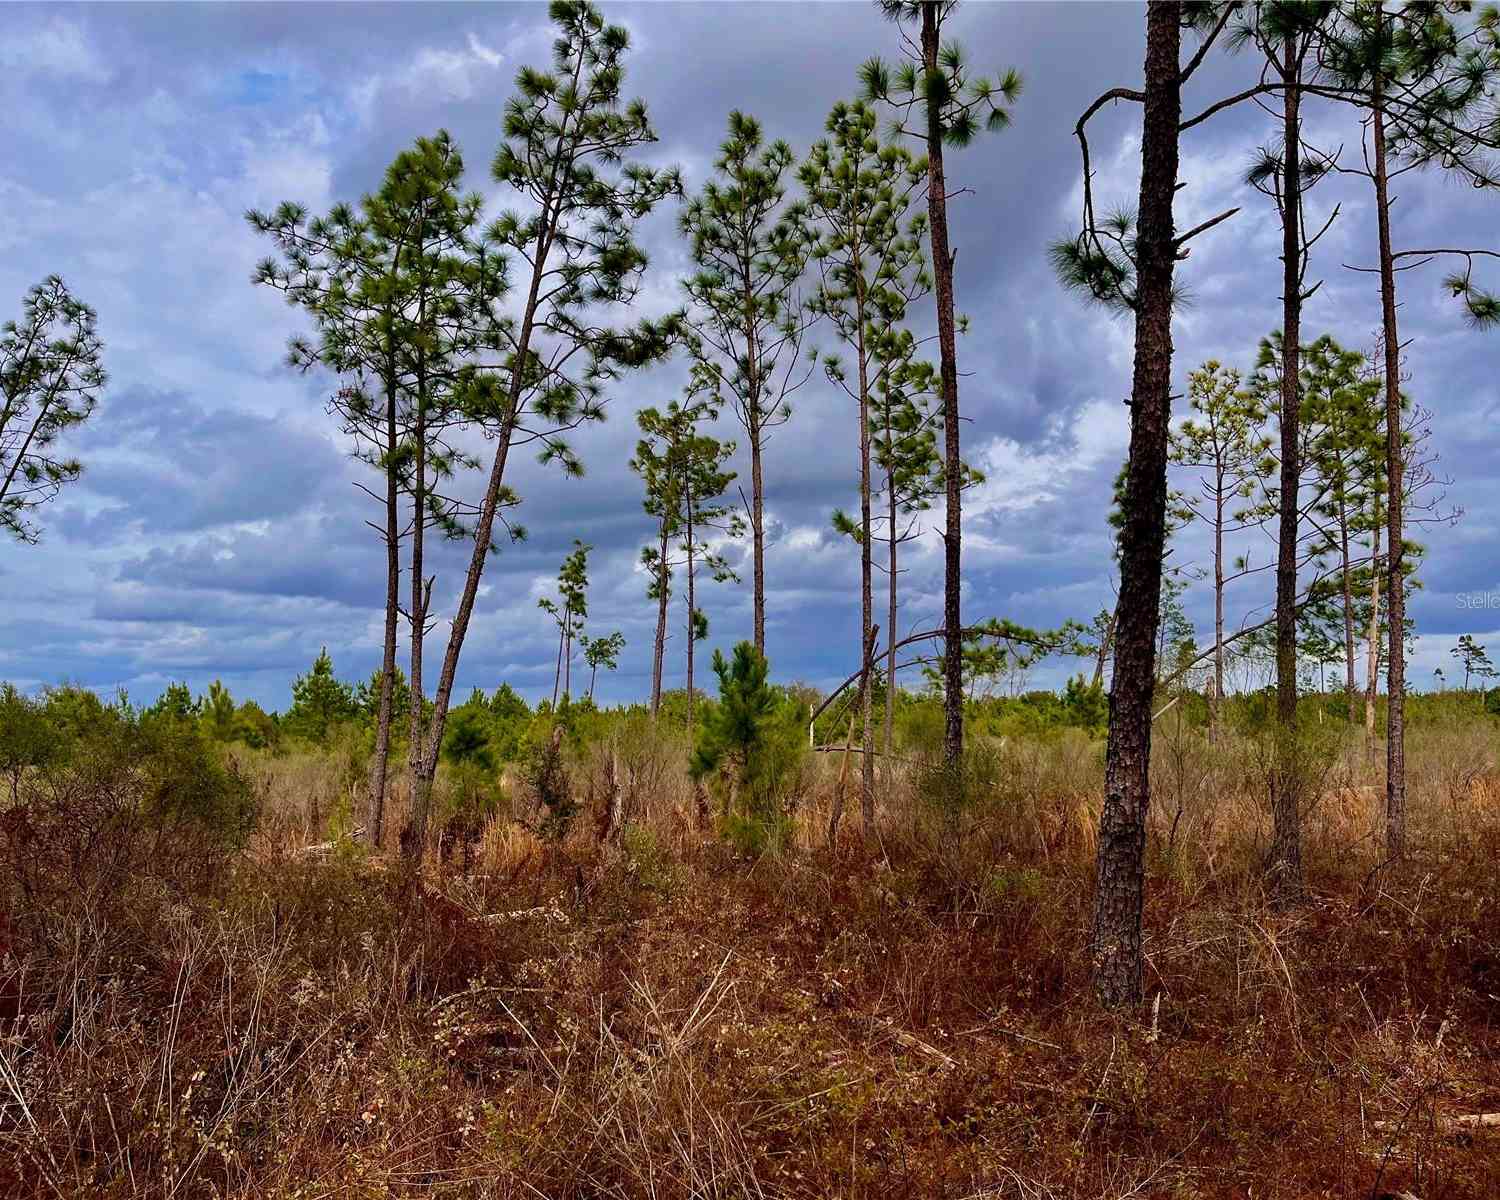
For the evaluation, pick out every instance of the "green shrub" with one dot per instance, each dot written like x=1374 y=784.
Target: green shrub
x=752 y=746
x=105 y=799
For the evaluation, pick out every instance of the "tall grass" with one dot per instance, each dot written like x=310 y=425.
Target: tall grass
x=639 y=1011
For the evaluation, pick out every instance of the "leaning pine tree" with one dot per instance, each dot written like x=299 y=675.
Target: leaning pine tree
x=50 y=379
x=566 y=136
x=365 y=276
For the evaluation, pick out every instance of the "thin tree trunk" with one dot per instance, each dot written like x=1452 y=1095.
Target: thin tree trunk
x=659 y=655
x=692 y=629
x=1215 y=705
x=380 y=760
x=1395 y=599
x=561 y=642
x=1106 y=645
x=758 y=533
x=866 y=576
x=1120 y=885
x=1372 y=652
x=1348 y=598
x=484 y=529
x=942 y=274
x=890 y=628
x=1286 y=798
x=420 y=796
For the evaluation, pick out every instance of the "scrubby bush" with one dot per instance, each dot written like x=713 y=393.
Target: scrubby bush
x=103 y=798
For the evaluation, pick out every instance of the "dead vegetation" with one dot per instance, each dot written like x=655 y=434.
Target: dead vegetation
x=652 y=1016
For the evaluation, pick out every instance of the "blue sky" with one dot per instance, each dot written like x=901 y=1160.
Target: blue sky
x=218 y=532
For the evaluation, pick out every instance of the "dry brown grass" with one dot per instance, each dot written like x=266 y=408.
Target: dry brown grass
x=660 y=1019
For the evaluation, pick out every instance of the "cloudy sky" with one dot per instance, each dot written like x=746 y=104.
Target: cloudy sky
x=218 y=531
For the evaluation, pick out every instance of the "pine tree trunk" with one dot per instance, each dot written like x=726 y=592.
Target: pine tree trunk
x=1106 y=645
x=1286 y=797
x=1215 y=705
x=866 y=577
x=1120 y=885
x=484 y=529
x=1395 y=597
x=380 y=759
x=758 y=534
x=890 y=633
x=942 y=274
x=692 y=630
x=561 y=642
x=1372 y=651
x=420 y=796
x=659 y=654
x=1348 y=598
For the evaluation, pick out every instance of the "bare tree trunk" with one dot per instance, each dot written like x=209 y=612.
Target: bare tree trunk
x=561 y=641
x=867 y=764
x=1372 y=651
x=1395 y=598
x=866 y=575
x=890 y=628
x=692 y=629
x=1348 y=597
x=942 y=273
x=1286 y=797
x=659 y=655
x=1106 y=645
x=1120 y=885
x=837 y=814
x=757 y=533
x=420 y=796
x=1215 y=705
x=380 y=760
x=484 y=528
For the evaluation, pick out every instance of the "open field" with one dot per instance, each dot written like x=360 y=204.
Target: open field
x=655 y=1016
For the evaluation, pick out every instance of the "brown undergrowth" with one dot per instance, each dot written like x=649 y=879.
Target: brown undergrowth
x=654 y=1017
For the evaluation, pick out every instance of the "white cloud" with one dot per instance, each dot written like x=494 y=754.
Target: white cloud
x=59 y=49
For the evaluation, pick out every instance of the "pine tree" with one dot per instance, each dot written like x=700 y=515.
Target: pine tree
x=1474 y=659
x=570 y=609
x=1426 y=90
x=602 y=652
x=567 y=136
x=705 y=478
x=320 y=701
x=871 y=262
x=1341 y=411
x=746 y=314
x=941 y=104
x=1286 y=33
x=50 y=379
x=399 y=295
x=1127 y=262
x=905 y=423
x=1224 y=442
x=667 y=459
